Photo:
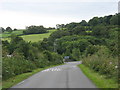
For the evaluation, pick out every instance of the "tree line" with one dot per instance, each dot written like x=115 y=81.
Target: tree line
x=94 y=42
x=8 y=29
x=20 y=57
x=29 y=30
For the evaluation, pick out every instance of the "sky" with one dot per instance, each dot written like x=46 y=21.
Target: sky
x=21 y=13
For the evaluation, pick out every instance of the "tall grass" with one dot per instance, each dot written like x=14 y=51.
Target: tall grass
x=103 y=63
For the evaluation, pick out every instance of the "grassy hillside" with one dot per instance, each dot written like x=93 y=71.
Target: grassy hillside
x=32 y=37
x=37 y=37
x=7 y=34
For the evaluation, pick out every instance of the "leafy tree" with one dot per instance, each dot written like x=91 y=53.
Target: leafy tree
x=83 y=23
x=91 y=49
x=76 y=54
x=8 y=29
x=58 y=34
x=2 y=30
x=94 y=21
x=100 y=31
x=107 y=19
x=72 y=25
x=114 y=19
x=35 y=30
x=60 y=26
x=15 y=29
x=48 y=55
x=46 y=45
x=15 y=39
x=78 y=30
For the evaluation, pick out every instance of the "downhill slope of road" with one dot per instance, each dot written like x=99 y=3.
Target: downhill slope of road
x=63 y=76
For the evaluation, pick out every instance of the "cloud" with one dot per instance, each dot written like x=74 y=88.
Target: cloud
x=21 y=13
x=21 y=20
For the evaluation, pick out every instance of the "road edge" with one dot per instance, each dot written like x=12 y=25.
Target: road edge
x=99 y=80
x=19 y=78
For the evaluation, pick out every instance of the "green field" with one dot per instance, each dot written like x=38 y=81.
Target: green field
x=7 y=34
x=34 y=37
x=37 y=37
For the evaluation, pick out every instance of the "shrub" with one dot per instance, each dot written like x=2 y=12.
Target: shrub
x=35 y=30
x=14 y=66
x=102 y=62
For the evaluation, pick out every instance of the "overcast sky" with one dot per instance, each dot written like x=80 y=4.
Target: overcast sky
x=22 y=13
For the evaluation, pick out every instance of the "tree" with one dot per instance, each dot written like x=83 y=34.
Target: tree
x=76 y=54
x=58 y=34
x=83 y=44
x=60 y=26
x=8 y=29
x=15 y=39
x=15 y=29
x=35 y=30
x=83 y=23
x=107 y=19
x=72 y=25
x=2 y=30
x=114 y=19
x=94 y=21
x=79 y=30
x=100 y=31
x=91 y=49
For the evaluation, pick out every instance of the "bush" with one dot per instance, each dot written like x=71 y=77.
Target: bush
x=25 y=57
x=14 y=66
x=53 y=58
x=35 y=30
x=103 y=62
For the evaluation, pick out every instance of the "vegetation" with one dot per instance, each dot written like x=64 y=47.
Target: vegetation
x=99 y=80
x=7 y=34
x=94 y=42
x=37 y=37
x=30 y=55
x=31 y=37
x=35 y=30
x=14 y=80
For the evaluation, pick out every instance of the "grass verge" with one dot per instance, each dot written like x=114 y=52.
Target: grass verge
x=14 y=80
x=99 y=80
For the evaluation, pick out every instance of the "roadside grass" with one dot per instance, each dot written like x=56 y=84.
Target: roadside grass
x=34 y=37
x=15 y=80
x=99 y=80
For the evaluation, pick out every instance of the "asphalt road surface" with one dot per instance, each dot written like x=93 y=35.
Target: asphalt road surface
x=63 y=76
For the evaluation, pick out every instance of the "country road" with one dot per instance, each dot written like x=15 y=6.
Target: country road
x=63 y=76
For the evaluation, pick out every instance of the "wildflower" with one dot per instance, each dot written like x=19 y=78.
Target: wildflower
x=116 y=66
x=110 y=63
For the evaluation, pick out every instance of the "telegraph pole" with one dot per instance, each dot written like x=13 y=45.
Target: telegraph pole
x=55 y=45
